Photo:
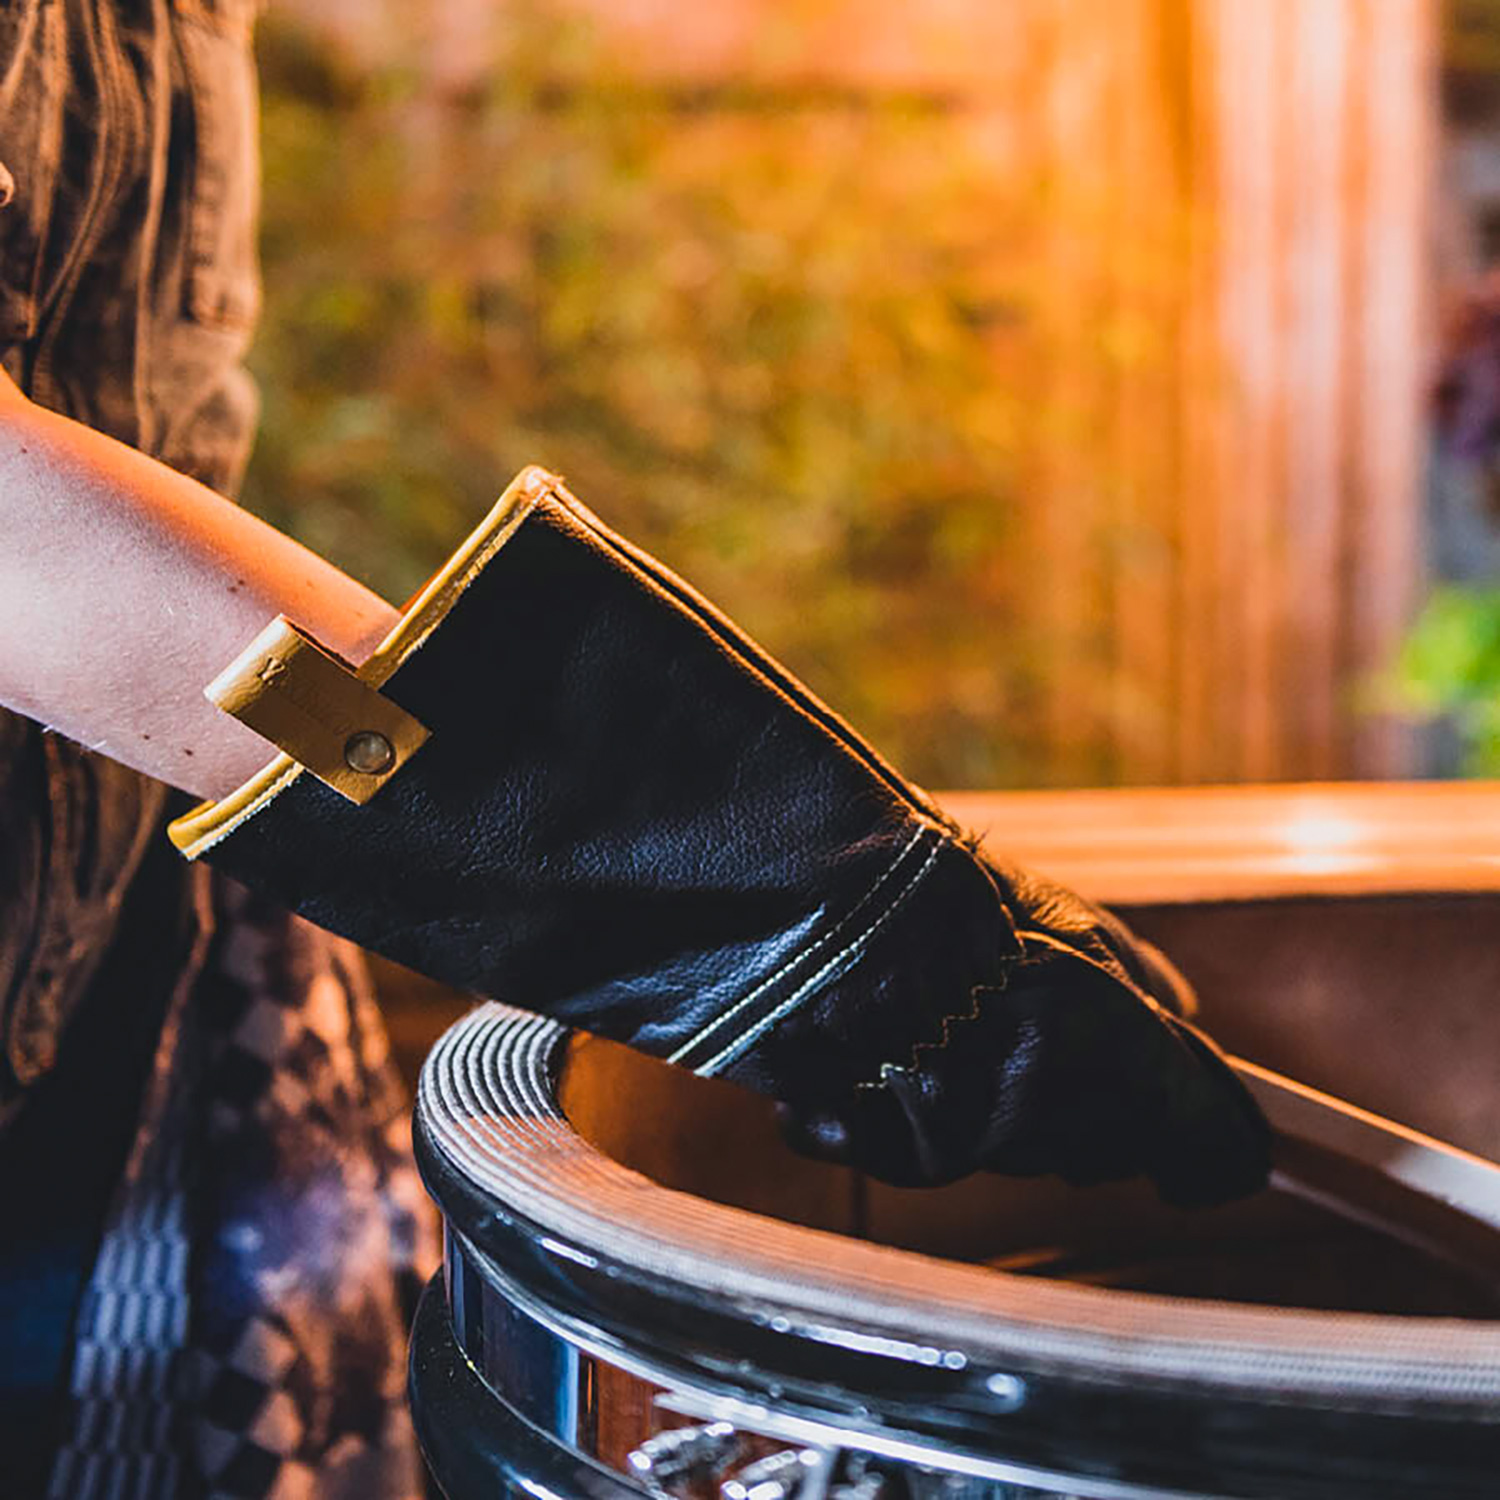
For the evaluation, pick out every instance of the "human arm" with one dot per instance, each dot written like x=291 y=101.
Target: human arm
x=125 y=586
x=627 y=815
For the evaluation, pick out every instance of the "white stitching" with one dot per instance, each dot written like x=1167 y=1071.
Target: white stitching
x=804 y=955
x=948 y=1024
x=729 y=1053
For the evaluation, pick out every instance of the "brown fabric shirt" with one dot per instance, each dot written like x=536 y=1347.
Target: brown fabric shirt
x=128 y=291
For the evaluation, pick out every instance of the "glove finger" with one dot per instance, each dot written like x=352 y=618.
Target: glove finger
x=1069 y=1072
x=889 y=1132
x=816 y=1133
x=1093 y=932
x=1138 y=1091
x=1216 y=1144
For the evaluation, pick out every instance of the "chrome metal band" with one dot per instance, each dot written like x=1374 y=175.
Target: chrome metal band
x=580 y=1385
x=682 y=1345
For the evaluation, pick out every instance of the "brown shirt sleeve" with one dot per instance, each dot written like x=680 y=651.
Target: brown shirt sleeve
x=128 y=291
x=73 y=829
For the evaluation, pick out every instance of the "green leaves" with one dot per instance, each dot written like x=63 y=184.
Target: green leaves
x=1450 y=664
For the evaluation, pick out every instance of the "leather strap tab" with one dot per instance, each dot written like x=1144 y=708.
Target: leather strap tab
x=314 y=706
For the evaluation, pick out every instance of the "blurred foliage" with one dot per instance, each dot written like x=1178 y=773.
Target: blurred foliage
x=1471 y=35
x=1450 y=666
x=764 y=332
x=1471 y=60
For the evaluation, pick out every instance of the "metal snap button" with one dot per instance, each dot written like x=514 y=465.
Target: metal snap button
x=369 y=751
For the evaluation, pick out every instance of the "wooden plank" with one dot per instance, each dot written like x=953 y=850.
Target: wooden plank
x=1247 y=212
x=1141 y=846
x=1391 y=316
x=1079 y=63
x=1205 y=473
x=1322 y=126
x=1317 y=101
x=1148 y=278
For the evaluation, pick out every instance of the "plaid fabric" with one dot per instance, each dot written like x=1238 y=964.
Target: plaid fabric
x=243 y=1332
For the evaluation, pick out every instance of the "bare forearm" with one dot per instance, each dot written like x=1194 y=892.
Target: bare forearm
x=124 y=587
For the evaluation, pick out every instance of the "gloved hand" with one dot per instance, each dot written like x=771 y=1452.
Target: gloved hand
x=1079 y=1062
x=628 y=816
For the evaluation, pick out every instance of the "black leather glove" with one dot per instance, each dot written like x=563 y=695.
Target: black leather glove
x=631 y=818
x=1077 y=1061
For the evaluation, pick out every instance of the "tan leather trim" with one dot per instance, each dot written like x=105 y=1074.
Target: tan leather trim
x=317 y=708
x=199 y=830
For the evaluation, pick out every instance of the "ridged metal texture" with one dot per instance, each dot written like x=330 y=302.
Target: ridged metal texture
x=487 y=1106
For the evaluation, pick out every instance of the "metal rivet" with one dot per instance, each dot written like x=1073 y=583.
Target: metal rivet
x=369 y=751
x=1009 y=1389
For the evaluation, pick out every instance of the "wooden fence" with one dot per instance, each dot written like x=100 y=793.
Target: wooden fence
x=1256 y=178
